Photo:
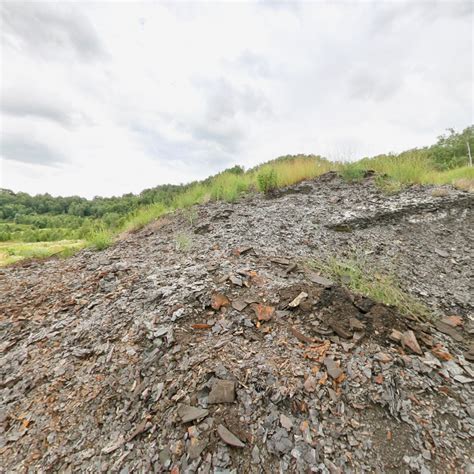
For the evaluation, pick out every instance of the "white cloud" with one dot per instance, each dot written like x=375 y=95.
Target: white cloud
x=117 y=97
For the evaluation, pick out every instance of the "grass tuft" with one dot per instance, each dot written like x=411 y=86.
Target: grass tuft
x=144 y=216
x=183 y=242
x=100 y=239
x=361 y=277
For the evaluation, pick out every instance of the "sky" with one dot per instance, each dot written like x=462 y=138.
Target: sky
x=115 y=97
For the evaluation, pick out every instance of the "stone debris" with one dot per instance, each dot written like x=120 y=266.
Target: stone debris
x=142 y=358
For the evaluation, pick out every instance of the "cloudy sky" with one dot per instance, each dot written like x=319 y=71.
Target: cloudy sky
x=108 y=98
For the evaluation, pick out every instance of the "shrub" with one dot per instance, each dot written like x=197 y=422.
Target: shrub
x=267 y=180
x=100 y=239
x=352 y=173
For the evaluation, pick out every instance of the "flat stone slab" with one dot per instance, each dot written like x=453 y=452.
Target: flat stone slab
x=223 y=391
x=188 y=413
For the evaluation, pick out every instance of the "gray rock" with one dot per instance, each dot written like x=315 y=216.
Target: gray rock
x=223 y=391
x=189 y=413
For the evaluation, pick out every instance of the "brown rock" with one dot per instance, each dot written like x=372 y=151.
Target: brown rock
x=449 y=330
x=218 y=300
x=340 y=331
x=229 y=438
x=356 y=324
x=296 y=302
x=395 y=335
x=264 y=313
x=310 y=384
x=408 y=339
x=320 y=280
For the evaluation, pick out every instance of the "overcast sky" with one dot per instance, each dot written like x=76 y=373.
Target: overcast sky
x=108 y=98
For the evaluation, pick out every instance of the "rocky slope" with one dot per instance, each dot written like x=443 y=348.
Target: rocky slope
x=203 y=343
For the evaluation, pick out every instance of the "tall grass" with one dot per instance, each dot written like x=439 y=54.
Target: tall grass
x=100 y=239
x=144 y=216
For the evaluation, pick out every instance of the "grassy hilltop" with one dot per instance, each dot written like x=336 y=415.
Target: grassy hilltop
x=42 y=225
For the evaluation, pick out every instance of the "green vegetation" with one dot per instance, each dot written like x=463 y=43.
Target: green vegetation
x=43 y=218
x=100 y=239
x=267 y=180
x=11 y=252
x=361 y=277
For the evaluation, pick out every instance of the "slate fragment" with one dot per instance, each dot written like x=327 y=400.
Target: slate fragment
x=229 y=438
x=449 y=331
x=239 y=304
x=332 y=368
x=408 y=339
x=189 y=413
x=223 y=391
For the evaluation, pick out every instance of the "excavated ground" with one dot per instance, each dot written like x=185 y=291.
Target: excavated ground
x=204 y=344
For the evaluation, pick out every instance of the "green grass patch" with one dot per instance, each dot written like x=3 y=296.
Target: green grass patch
x=144 y=216
x=100 y=239
x=352 y=172
x=12 y=252
x=362 y=277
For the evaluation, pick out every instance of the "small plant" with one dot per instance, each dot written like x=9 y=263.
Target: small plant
x=100 y=239
x=183 y=242
x=361 y=276
x=387 y=184
x=439 y=192
x=267 y=180
x=352 y=173
x=192 y=215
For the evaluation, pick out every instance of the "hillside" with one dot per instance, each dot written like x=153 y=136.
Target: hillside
x=251 y=336
x=28 y=224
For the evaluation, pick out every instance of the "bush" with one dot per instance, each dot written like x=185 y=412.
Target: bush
x=267 y=180
x=352 y=173
x=100 y=240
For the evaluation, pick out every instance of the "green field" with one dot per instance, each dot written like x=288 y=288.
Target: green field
x=12 y=252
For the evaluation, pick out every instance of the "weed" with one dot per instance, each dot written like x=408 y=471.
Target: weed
x=267 y=180
x=362 y=277
x=439 y=192
x=352 y=172
x=191 y=215
x=100 y=239
x=183 y=242
x=387 y=184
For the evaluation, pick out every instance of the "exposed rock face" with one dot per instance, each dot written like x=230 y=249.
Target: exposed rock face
x=231 y=356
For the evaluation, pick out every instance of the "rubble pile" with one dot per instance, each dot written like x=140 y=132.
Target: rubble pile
x=233 y=355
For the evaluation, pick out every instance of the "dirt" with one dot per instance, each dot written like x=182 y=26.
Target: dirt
x=100 y=351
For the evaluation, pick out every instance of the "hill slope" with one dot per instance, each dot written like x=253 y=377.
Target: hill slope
x=208 y=341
